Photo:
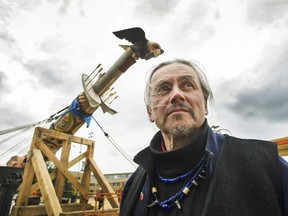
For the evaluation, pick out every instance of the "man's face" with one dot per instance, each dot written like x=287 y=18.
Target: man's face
x=177 y=104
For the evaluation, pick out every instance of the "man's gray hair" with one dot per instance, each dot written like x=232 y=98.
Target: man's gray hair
x=208 y=94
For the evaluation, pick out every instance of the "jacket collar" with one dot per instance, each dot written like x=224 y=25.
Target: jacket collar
x=213 y=145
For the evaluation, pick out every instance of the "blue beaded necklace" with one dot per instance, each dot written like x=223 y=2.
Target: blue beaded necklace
x=196 y=173
x=171 y=180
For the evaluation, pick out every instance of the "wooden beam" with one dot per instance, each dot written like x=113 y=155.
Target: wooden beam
x=23 y=195
x=283 y=152
x=282 y=144
x=60 y=178
x=77 y=159
x=52 y=175
x=28 y=175
x=51 y=202
x=61 y=168
x=104 y=184
x=33 y=210
x=86 y=177
x=81 y=140
x=64 y=136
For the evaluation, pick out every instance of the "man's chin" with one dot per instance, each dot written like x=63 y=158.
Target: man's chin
x=179 y=130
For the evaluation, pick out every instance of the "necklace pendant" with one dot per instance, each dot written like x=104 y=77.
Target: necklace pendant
x=177 y=204
x=202 y=175
x=194 y=183
x=153 y=204
x=186 y=191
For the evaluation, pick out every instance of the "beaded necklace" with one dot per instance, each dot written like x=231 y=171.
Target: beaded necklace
x=197 y=173
x=171 y=180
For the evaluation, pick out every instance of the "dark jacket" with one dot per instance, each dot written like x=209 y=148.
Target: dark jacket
x=246 y=179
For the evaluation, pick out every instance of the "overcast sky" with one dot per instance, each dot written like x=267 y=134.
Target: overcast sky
x=45 y=47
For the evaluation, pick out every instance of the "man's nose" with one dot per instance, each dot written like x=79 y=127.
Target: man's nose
x=176 y=95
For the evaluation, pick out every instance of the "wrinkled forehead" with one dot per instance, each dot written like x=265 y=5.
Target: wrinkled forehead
x=173 y=72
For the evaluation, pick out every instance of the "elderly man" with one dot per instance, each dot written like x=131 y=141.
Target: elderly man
x=190 y=170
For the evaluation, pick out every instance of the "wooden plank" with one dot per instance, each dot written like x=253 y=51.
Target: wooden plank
x=283 y=152
x=283 y=149
x=77 y=159
x=36 y=185
x=104 y=184
x=40 y=209
x=53 y=133
x=28 y=174
x=52 y=175
x=52 y=204
x=86 y=177
x=64 y=136
x=23 y=194
x=108 y=212
x=283 y=146
x=280 y=141
x=81 y=140
x=60 y=178
x=61 y=168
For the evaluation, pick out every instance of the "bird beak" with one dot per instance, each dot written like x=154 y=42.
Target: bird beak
x=154 y=50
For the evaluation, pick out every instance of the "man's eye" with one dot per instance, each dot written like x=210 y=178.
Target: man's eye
x=162 y=90
x=188 y=84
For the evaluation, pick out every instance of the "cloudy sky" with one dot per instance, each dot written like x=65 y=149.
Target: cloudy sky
x=45 y=47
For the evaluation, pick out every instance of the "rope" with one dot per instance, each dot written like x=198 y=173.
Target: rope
x=56 y=115
x=122 y=151
x=34 y=124
x=20 y=144
x=14 y=135
x=14 y=147
x=114 y=143
x=20 y=127
x=24 y=150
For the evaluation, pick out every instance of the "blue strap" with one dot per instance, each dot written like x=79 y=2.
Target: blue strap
x=75 y=110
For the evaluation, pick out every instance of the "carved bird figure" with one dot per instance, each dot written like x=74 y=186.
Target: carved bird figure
x=143 y=48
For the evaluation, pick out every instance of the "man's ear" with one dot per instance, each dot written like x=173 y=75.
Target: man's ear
x=206 y=108
x=149 y=111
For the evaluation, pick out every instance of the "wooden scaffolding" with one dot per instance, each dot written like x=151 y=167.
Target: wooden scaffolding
x=52 y=195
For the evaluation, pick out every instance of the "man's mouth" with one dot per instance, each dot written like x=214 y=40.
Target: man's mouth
x=177 y=109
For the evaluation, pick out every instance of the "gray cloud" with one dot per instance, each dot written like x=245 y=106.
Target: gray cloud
x=3 y=86
x=199 y=18
x=159 y=7
x=8 y=9
x=6 y=40
x=192 y=25
x=5 y=36
x=14 y=116
x=47 y=72
x=51 y=75
x=261 y=13
x=265 y=96
x=28 y=5
x=64 y=7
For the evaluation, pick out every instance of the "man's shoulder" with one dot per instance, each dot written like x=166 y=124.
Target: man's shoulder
x=137 y=175
x=250 y=142
x=251 y=149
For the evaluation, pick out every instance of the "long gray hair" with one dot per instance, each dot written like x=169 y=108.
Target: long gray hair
x=208 y=94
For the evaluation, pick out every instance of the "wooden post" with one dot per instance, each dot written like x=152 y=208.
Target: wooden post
x=86 y=177
x=51 y=202
x=45 y=150
x=103 y=182
x=36 y=166
x=28 y=175
x=60 y=178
